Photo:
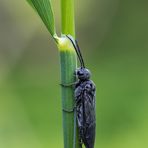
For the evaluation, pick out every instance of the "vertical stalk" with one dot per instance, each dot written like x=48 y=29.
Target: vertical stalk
x=68 y=67
x=67 y=15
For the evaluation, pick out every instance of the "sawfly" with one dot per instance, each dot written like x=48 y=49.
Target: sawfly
x=84 y=92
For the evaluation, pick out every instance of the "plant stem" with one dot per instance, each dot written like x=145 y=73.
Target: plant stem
x=68 y=67
x=67 y=14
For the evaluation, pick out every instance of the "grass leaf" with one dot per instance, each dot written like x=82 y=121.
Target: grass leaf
x=44 y=9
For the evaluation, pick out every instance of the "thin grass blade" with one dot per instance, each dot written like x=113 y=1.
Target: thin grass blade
x=44 y=9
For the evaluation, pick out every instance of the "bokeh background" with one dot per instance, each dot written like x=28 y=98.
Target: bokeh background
x=113 y=35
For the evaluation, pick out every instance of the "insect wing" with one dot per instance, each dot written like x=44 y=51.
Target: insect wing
x=89 y=115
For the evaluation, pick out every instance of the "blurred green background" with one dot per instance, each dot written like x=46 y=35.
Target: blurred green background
x=113 y=36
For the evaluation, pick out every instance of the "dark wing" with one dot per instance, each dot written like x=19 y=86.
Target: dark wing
x=89 y=116
x=85 y=108
x=79 y=109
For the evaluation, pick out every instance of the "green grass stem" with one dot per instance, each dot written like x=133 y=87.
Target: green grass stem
x=68 y=67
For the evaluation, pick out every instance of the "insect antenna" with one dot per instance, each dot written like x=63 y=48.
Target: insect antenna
x=78 y=51
x=80 y=54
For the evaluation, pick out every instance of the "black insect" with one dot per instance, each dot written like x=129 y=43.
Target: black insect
x=84 y=101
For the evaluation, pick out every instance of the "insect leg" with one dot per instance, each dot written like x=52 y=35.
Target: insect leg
x=69 y=111
x=68 y=85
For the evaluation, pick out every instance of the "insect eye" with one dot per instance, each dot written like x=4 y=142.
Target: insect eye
x=80 y=73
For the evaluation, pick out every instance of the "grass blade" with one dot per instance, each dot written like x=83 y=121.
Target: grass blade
x=44 y=9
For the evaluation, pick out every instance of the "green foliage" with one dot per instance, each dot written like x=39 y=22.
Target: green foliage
x=44 y=9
